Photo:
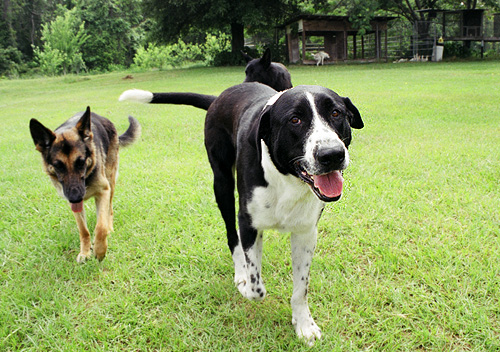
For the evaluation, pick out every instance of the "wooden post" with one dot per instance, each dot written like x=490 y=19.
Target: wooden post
x=354 y=46
x=303 y=46
x=329 y=41
x=386 y=47
x=345 y=43
x=293 y=45
x=362 y=46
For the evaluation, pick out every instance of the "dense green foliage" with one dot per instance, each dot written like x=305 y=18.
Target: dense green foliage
x=175 y=17
x=114 y=31
x=180 y=53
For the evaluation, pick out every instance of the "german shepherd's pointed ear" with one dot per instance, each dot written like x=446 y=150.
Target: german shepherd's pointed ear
x=84 y=125
x=266 y=59
x=42 y=136
x=355 y=119
x=247 y=57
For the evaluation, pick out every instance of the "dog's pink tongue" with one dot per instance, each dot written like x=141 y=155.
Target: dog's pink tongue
x=77 y=207
x=330 y=184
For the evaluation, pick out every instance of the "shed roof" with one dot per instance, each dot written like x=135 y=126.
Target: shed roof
x=331 y=18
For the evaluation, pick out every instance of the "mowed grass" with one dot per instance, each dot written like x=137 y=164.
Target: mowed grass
x=407 y=260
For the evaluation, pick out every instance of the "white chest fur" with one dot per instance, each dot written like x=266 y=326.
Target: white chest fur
x=286 y=204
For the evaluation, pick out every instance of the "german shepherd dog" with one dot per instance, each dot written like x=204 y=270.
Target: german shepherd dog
x=81 y=159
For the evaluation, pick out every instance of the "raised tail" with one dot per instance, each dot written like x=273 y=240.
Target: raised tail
x=132 y=133
x=201 y=101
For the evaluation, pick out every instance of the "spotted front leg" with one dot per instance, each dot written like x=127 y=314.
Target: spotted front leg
x=303 y=246
x=247 y=270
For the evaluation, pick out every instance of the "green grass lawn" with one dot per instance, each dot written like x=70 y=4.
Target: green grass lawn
x=407 y=260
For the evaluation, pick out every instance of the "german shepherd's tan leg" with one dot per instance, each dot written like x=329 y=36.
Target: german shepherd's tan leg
x=102 y=229
x=112 y=183
x=84 y=237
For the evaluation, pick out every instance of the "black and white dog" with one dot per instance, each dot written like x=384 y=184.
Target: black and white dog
x=289 y=150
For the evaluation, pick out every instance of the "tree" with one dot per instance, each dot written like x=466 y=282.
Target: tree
x=114 y=27
x=177 y=17
x=24 y=18
x=10 y=57
x=360 y=12
x=63 y=39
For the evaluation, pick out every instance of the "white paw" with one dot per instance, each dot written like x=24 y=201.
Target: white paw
x=307 y=330
x=252 y=291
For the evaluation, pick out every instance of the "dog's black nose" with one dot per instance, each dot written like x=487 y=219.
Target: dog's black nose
x=74 y=193
x=330 y=157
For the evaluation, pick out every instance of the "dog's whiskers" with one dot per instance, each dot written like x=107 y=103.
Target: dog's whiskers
x=297 y=159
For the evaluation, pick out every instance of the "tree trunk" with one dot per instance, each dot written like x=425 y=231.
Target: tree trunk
x=7 y=17
x=237 y=37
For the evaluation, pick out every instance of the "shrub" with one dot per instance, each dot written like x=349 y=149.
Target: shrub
x=10 y=61
x=180 y=53
x=215 y=44
x=228 y=58
x=49 y=60
x=163 y=57
x=62 y=40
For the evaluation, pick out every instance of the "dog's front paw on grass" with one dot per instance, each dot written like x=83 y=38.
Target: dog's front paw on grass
x=253 y=292
x=307 y=331
x=100 y=249
x=83 y=257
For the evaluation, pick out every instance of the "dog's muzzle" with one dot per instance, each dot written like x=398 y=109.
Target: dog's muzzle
x=325 y=178
x=74 y=194
x=327 y=187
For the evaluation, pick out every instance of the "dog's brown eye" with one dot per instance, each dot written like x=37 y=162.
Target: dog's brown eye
x=335 y=113
x=295 y=120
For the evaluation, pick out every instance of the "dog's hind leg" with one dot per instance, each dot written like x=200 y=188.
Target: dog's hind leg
x=222 y=156
x=224 y=194
x=303 y=246
x=112 y=183
x=84 y=236
x=244 y=262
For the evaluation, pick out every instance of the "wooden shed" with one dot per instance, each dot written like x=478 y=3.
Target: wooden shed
x=337 y=33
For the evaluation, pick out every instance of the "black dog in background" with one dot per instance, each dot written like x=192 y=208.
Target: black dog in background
x=272 y=74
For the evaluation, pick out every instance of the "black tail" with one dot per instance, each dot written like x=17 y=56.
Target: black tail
x=132 y=133
x=201 y=101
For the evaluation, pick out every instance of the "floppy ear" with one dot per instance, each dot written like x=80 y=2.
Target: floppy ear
x=84 y=125
x=266 y=59
x=354 y=120
x=247 y=57
x=260 y=130
x=42 y=136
